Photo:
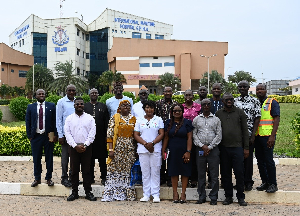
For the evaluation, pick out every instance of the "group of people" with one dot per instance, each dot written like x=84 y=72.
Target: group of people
x=192 y=140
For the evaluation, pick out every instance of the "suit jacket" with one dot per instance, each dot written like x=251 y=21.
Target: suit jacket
x=32 y=117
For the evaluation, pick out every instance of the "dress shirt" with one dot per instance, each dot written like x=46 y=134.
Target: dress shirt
x=113 y=104
x=80 y=129
x=149 y=131
x=163 y=109
x=38 y=118
x=137 y=110
x=192 y=112
x=64 y=108
x=251 y=107
x=207 y=131
x=234 y=128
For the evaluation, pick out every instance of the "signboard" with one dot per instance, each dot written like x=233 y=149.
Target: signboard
x=135 y=25
x=60 y=38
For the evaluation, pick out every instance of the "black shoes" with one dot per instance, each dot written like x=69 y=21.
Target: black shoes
x=262 y=187
x=228 y=201
x=103 y=181
x=213 y=202
x=272 y=188
x=169 y=183
x=90 y=196
x=248 y=187
x=35 y=183
x=73 y=197
x=50 y=182
x=200 y=201
x=66 y=183
x=242 y=202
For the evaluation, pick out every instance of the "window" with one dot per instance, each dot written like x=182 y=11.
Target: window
x=87 y=37
x=12 y=46
x=78 y=52
x=144 y=64
x=169 y=64
x=148 y=36
x=136 y=35
x=155 y=57
x=78 y=32
x=87 y=73
x=112 y=31
x=116 y=31
x=22 y=41
x=83 y=72
x=82 y=35
x=12 y=70
x=156 y=64
x=124 y=32
x=22 y=73
x=87 y=56
x=159 y=37
x=295 y=89
x=82 y=54
x=2 y=69
x=78 y=72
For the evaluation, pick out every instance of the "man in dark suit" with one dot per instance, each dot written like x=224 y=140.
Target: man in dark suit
x=41 y=131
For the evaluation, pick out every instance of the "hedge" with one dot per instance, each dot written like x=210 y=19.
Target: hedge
x=14 y=141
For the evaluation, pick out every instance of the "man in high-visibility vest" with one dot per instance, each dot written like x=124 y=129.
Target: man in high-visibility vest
x=265 y=139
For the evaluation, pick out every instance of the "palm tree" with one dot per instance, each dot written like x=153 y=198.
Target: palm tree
x=107 y=78
x=65 y=76
x=169 y=80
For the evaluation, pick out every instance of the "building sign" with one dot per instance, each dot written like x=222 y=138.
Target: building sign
x=60 y=38
x=21 y=32
x=146 y=77
x=135 y=25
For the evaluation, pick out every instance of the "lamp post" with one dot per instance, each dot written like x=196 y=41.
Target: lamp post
x=208 y=69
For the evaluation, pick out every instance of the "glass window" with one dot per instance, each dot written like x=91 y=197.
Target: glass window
x=116 y=31
x=169 y=64
x=22 y=41
x=83 y=72
x=12 y=70
x=82 y=54
x=144 y=64
x=2 y=69
x=112 y=30
x=22 y=73
x=87 y=37
x=78 y=71
x=156 y=64
x=295 y=89
x=87 y=56
x=136 y=35
x=78 y=31
x=148 y=36
x=78 y=52
x=82 y=35
x=159 y=37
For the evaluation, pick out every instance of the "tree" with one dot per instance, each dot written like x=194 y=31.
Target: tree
x=240 y=76
x=107 y=78
x=230 y=87
x=214 y=77
x=43 y=77
x=65 y=76
x=5 y=90
x=169 y=80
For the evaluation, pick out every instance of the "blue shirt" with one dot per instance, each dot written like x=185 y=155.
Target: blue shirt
x=64 y=108
x=113 y=104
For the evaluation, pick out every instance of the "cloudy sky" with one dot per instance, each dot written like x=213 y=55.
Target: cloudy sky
x=263 y=35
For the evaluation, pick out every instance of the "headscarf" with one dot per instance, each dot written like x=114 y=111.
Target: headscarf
x=123 y=102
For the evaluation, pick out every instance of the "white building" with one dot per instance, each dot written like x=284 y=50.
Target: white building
x=63 y=39
x=295 y=84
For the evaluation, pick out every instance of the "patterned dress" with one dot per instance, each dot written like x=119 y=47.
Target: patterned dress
x=117 y=186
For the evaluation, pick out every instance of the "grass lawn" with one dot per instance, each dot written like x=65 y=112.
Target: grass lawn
x=13 y=124
x=285 y=135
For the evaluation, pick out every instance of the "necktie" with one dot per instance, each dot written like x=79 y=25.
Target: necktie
x=41 y=117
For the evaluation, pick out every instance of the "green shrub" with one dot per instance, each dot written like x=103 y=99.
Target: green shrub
x=53 y=98
x=105 y=97
x=130 y=95
x=85 y=97
x=296 y=127
x=14 y=141
x=4 y=101
x=1 y=115
x=18 y=107
x=154 y=97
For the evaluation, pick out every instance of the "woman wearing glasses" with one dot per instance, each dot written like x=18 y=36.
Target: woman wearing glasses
x=148 y=132
x=178 y=139
x=120 y=143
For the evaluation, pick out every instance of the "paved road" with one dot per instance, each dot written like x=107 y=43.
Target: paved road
x=34 y=205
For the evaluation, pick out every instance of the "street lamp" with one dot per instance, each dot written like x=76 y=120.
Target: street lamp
x=208 y=69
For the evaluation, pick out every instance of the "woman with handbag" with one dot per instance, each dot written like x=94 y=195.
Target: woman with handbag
x=148 y=132
x=122 y=148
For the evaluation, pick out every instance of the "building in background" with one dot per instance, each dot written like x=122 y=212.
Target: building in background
x=64 y=39
x=295 y=85
x=273 y=87
x=142 y=61
x=14 y=66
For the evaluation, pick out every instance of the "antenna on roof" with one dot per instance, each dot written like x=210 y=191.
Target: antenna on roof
x=61 y=8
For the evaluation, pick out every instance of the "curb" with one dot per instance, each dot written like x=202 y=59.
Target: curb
x=166 y=193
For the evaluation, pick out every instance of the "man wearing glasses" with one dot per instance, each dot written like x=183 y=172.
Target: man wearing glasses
x=207 y=135
x=80 y=131
x=137 y=109
x=64 y=108
x=234 y=147
x=251 y=107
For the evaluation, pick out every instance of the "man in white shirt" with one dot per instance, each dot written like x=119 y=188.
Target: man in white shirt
x=80 y=131
x=137 y=109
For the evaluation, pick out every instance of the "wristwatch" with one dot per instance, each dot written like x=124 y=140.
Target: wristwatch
x=189 y=151
x=153 y=143
x=85 y=145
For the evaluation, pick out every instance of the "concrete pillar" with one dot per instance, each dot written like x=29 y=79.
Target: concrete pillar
x=185 y=71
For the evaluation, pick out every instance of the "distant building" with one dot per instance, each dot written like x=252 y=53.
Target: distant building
x=295 y=84
x=273 y=87
x=14 y=66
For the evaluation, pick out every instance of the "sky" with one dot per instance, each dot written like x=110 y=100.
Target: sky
x=263 y=36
